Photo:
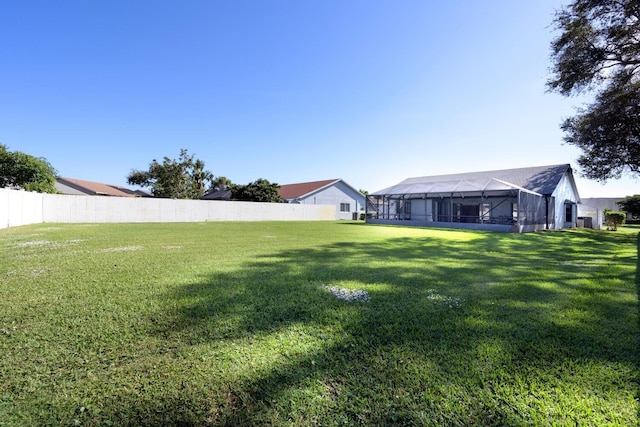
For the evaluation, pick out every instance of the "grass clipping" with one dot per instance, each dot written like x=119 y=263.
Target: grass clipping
x=349 y=295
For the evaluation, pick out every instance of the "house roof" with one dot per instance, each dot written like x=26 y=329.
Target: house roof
x=97 y=188
x=538 y=180
x=296 y=191
x=217 y=195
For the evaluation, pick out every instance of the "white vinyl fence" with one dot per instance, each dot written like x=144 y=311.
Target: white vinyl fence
x=21 y=208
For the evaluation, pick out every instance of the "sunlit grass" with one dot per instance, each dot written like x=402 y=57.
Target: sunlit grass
x=254 y=324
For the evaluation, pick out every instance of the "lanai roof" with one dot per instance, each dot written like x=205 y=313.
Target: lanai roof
x=538 y=180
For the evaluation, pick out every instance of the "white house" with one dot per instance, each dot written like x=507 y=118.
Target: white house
x=348 y=201
x=591 y=210
x=517 y=200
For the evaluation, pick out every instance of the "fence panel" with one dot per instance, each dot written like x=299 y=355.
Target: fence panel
x=21 y=208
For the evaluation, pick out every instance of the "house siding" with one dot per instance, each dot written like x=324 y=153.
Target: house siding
x=335 y=195
x=65 y=189
x=564 y=193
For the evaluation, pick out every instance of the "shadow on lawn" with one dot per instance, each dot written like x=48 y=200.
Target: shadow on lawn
x=449 y=324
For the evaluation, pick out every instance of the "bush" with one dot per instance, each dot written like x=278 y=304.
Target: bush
x=613 y=219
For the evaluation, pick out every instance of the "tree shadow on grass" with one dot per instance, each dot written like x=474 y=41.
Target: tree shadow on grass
x=458 y=333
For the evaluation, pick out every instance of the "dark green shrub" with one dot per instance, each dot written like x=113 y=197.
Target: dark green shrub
x=613 y=219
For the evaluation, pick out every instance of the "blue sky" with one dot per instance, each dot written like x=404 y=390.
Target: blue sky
x=369 y=91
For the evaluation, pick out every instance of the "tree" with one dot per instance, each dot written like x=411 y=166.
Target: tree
x=598 y=50
x=631 y=205
x=221 y=183
x=184 y=178
x=21 y=170
x=261 y=190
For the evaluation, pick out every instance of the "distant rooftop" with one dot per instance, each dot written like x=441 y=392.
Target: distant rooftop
x=99 y=189
x=295 y=191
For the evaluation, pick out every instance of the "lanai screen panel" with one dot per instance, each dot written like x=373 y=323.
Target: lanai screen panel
x=533 y=209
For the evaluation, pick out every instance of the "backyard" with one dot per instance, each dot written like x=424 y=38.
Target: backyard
x=316 y=323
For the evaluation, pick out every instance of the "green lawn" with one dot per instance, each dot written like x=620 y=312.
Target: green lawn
x=240 y=324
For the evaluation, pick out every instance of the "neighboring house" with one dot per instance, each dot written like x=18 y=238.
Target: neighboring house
x=81 y=187
x=591 y=210
x=348 y=201
x=517 y=200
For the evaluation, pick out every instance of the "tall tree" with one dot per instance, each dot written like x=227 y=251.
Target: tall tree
x=598 y=50
x=182 y=178
x=21 y=170
x=260 y=190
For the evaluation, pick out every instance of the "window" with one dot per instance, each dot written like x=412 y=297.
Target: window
x=485 y=210
x=345 y=207
x=568 y=212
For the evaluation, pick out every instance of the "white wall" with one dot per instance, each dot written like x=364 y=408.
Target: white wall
x=21 y=208
x=564 y=192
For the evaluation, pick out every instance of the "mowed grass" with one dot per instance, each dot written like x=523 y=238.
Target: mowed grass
x=235 y=324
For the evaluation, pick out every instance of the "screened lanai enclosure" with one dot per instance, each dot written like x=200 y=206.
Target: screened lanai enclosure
x=518 y=200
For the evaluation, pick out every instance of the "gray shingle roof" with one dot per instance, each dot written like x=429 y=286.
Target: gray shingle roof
x=217 y=195
x=537 y=179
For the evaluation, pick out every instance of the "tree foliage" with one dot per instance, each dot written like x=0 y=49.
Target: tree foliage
x=21 y=170
x=182 y=178
x=631 y=205
x=221 y=183
x=261 y=190
x=598 y=50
